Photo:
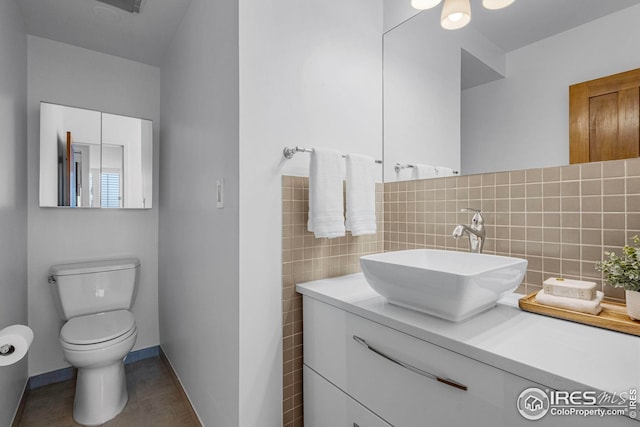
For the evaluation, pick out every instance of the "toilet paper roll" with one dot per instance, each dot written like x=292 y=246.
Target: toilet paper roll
x=14 y=343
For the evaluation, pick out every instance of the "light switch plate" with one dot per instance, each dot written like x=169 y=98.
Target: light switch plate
x=220 y=193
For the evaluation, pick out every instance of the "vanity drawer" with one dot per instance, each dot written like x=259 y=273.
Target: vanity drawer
x=411 y=395
x=435 y=387
x=324 y=340
x=327 y=406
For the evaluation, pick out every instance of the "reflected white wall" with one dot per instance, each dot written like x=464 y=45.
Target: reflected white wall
x=522 y=121
x=422 y=87
x=127 y=133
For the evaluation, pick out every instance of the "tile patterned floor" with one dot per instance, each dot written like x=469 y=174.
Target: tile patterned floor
x=155 y=400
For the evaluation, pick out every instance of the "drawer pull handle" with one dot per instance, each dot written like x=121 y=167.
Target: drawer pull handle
x=429 y=375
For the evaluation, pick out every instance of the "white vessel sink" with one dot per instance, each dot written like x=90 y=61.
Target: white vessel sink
x=447 y=284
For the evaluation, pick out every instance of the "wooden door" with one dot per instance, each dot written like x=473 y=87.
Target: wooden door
x=604 y=118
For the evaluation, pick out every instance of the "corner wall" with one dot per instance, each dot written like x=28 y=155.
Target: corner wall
x=310 y=75
x=13 y=196
x=69 y=75
x=198 y=289
x=303 y=69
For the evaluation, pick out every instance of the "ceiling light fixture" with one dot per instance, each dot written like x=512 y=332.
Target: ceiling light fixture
x=457 y=13
x=496 y=4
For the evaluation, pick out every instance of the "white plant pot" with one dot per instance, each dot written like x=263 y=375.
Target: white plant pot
x=633 y=304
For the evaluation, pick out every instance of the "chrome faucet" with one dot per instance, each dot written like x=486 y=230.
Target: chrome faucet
x=475 y=231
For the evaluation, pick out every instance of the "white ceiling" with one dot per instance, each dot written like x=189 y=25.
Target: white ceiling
x=141 y=37
x=144 y=37
x=527 y=21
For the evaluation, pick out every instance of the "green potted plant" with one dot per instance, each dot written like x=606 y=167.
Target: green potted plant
x=624 y=272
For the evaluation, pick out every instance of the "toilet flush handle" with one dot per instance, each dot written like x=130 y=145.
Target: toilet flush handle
x=52 y=280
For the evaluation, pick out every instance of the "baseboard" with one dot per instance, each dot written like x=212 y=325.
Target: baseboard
x=145 y=353
x=178 y=384
x=69 y=373
x=17 y=417
x=52 y=377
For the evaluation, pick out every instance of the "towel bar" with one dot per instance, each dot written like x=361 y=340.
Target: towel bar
x=398 y=167
x=288 y=152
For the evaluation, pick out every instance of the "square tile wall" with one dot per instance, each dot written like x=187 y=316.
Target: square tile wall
x=306 y=258
x=560 y=219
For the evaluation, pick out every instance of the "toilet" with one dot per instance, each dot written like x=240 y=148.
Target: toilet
x=95 y=299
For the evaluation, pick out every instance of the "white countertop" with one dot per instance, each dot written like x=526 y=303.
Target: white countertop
x=555 y=353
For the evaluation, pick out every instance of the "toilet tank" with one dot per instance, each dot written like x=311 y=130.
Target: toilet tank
x=95 y=286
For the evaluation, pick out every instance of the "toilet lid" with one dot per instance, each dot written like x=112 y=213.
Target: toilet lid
x=95 y=328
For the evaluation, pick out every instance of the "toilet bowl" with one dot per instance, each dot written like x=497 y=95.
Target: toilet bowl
x=97 y=345
x=95 y=299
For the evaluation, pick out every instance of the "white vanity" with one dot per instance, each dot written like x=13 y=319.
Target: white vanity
x=368 y=363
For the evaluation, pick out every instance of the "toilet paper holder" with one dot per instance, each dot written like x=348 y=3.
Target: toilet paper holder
x=6 y=350
x=15 y=341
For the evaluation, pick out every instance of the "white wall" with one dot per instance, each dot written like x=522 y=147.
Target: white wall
x=522 y=121
x=69 y=75
x=310 y=75
x=127 y=133
x=422 y=73
x=198 y=287
x=13 y=196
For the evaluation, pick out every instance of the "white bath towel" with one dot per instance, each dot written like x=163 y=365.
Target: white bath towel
x=444 y=171
x=326 y=201
x=574 y=304
x=361 y=195
x=423 y=172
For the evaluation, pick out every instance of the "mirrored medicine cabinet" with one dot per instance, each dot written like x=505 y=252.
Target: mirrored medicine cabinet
x=91 y=159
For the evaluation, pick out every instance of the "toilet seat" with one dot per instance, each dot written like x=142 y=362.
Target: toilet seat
x=97 y=330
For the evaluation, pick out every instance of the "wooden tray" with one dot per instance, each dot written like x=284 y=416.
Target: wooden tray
x=613 y=315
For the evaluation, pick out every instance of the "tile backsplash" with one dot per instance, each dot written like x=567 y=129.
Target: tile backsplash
x=561 y=219
x=306 y=258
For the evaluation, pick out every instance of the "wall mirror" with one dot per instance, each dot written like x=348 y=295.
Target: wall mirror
x=91 y=159
x=494 y=95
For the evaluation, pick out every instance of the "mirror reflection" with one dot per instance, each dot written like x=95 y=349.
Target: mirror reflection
x=90 y=159
x=494 y=95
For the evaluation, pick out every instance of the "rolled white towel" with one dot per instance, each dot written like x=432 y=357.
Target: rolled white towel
x=405 y=174
x=573 y=304
x=423 y=172
x=444 y=171
x=326 y=201
x=361 y=195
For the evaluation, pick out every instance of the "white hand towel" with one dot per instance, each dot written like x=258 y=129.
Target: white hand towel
x=574 y=304
x=361 y=195
x=444 y=171
x=404 y=174
x=423 y=172
x=326 y=202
